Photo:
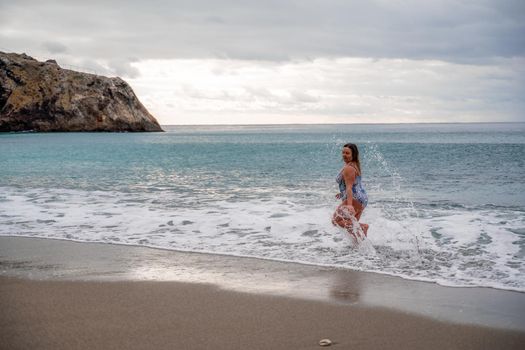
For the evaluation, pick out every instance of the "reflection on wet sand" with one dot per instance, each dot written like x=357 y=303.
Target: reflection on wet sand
x=346 y=288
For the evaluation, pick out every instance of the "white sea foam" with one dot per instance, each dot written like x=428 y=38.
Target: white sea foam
x=460 y=247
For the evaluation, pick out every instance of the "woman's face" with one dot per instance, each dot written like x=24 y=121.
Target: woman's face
x=347 y=154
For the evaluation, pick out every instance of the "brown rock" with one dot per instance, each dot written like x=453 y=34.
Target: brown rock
x=44 y=97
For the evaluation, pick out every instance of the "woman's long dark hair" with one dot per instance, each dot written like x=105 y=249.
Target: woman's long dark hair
x=355 y=154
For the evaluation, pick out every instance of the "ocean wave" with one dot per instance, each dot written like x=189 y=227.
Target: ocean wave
x=450 y=245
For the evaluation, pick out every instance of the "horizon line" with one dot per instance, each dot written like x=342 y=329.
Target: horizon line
x=400 y=123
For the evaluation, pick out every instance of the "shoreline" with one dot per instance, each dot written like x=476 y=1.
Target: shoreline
x=262 y=259
x=65 y=260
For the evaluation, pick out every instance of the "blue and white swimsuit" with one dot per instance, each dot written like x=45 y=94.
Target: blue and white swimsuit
x=358 y=191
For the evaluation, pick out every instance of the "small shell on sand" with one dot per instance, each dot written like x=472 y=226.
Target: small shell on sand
x=325 y=342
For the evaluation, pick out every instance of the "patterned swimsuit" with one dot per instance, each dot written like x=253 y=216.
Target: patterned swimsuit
x=358 y=191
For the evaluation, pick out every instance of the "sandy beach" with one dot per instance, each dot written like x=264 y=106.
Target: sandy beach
x=67 y=295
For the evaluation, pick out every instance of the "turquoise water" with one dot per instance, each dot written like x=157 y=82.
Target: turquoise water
x=447 y=201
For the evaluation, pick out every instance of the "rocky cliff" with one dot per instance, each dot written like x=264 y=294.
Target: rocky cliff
x=41 y=96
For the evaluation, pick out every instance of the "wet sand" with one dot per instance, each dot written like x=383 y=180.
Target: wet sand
x=65 y=295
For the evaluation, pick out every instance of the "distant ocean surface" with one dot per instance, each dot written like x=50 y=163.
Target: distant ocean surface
x=446 y=201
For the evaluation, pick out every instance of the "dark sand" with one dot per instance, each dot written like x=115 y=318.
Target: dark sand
x=171 y=315
x=64 y=295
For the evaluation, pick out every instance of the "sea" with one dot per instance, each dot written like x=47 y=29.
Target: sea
x=446 y=201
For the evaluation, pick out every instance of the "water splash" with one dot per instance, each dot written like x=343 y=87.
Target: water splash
x=400 y=207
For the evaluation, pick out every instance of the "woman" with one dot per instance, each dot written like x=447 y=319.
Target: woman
x=351 y=192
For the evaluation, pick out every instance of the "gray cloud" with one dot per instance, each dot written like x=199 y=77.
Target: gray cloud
x=123 y=68
x=54 y=47
x=336 y=90
x=412 y=60
x=449 y=30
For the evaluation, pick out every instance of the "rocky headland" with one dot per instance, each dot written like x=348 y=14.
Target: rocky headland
x=41 y=96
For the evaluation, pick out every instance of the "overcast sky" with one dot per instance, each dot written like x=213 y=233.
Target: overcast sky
x=302 y=61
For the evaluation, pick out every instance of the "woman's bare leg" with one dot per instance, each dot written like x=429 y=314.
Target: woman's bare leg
x=341 y=218
x=365 y=229
x=359 y=210
x=348 y=226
